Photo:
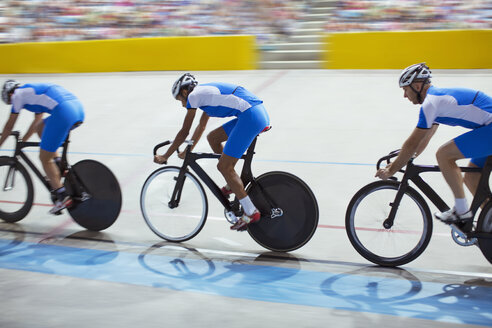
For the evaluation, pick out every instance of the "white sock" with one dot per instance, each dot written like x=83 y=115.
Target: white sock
x=461 y=206
x=247 y=205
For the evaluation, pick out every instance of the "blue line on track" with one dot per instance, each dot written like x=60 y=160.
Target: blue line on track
x=455 y=303
x=258 y=160
x=314 y=162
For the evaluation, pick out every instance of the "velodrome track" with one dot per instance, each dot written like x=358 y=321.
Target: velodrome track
x=329 y=128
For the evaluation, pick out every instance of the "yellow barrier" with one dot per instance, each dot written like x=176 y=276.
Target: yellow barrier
x=140 y=54
x=395 y=50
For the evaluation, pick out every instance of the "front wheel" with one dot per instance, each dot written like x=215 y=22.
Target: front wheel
x=96 y=194
x=484 y=226
x=399 y=244
x=16 y=190
x=289 y=211
x=173 y=222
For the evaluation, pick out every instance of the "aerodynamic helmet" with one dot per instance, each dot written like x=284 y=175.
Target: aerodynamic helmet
x=186 y=80
x=415 y=72
x=8 y=87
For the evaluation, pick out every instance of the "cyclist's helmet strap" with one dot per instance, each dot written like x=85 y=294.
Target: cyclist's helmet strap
x=186 y=80
x=8 y=87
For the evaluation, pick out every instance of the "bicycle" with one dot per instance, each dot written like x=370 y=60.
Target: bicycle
x=382 y=224
x=175 y=206
x=94 y=189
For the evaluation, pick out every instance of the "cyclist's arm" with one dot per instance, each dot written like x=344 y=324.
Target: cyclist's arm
x=7 y=129
x=38 y=117
x=183 y=133
x=199 y=129
x=423 y=144
x=407 y=151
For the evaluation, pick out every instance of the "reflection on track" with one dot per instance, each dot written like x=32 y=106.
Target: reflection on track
x=266 y=277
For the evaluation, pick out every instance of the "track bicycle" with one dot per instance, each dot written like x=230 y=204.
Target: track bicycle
x=389 y=223
x=94 y=189
x=175 y=206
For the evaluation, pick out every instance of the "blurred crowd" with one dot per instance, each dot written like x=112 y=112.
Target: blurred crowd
x=384 y=15
x=54 y=20
x=269 y=20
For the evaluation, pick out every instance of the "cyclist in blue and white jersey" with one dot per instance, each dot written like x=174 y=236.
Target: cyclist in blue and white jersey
x=66 y=112
x=468 y=108
x=222 y=100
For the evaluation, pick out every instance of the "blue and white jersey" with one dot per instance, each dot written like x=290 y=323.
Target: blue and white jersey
x=221 y=99
x=39 y=97
x=457 y=106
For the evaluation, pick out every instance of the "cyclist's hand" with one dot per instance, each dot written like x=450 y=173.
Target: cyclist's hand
x=383 y=173
x=160 y=159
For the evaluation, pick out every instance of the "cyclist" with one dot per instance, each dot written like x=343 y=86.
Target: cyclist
x=468 y=108
x=222 y=100
x=66 y=113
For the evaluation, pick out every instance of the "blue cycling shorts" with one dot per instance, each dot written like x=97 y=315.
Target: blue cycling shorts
x=59 y=123
x=476 y=144
x=242 y=130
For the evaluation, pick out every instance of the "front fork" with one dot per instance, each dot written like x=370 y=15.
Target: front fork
x=389 y=221
x=178 y=188
x=10 y=179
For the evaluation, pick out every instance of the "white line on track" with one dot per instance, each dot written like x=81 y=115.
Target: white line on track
x=227 y=241
x=454 y=273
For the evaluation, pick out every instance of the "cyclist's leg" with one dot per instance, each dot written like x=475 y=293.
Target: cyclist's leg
x=447 y=155
x=247 y=127
x=472 y=178
x=240 y=133
x=226 y=167
x=467 y=145
x=220 y=135
x=56 y=129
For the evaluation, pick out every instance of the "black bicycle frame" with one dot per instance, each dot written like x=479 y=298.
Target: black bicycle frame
x=412 y=173
x=21 y=154
x=191 y=161
x=24 y=144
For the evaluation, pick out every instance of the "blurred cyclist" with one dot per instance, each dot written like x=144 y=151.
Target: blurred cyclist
x=222 y=100
x=454 y=106
x=66 y=113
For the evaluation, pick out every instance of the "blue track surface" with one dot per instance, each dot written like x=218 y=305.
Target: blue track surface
x=352 y=291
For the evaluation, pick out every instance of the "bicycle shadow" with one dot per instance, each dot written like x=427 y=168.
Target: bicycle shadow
x=395 y=291
x=101 y=256
x=38 y=256
x=9 y=243
x=266 y=268
x=176 y=261
x=186 y=263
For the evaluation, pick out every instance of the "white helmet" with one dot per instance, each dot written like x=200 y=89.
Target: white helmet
x=8 y=87
x=186 y=80
x=415 y=72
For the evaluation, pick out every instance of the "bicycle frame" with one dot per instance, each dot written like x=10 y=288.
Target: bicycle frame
x=19 y=153
x=191 y=161
x=24 y=144
x=412 y=173
x=232 y=208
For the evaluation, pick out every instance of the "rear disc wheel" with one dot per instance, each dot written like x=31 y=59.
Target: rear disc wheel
x=101 y=210
x=292 y=220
